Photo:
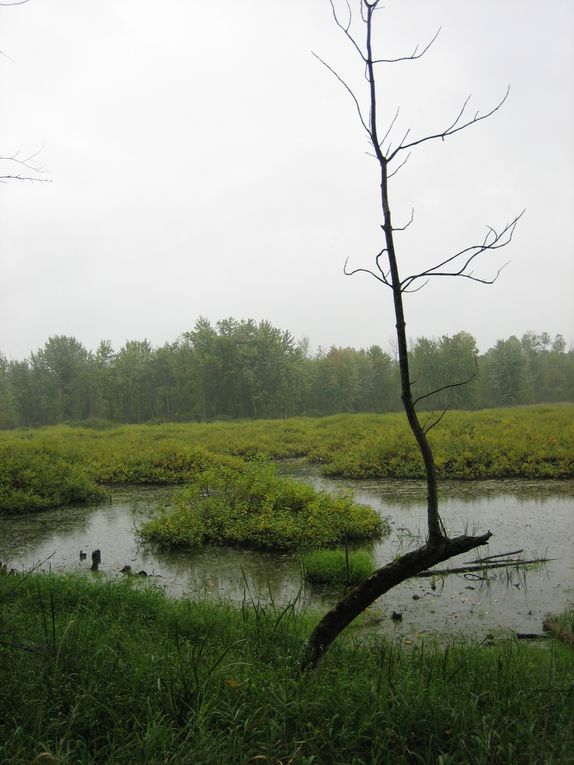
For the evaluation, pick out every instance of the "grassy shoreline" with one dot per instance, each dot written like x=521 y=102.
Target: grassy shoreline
x=101 y=672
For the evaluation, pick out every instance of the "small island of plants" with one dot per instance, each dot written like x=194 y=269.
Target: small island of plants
x=251 y=506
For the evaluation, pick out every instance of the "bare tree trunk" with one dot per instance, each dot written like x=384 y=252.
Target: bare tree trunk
x=438 y=547
x=384 y=579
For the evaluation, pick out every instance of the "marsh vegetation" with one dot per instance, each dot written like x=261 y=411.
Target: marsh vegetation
x=96 y=672
x=48 y=467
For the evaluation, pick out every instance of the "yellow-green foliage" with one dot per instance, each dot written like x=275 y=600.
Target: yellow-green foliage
x=253 y=507
x=526 y=442
x=32 y=478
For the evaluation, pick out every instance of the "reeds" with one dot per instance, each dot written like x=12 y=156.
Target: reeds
x=104 y=672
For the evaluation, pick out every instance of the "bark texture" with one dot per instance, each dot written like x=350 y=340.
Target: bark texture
x=384 y=579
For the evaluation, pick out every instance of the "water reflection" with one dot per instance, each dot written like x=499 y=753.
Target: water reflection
x=538 y=517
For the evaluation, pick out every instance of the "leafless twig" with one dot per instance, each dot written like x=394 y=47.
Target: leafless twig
x=450 y=385
x=347 y=88
x=413 y=56
x=455 y=127
x=26 y=163
x=494 y=240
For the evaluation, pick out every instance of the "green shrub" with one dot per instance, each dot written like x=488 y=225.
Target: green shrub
x=33 y=479
x=521 y=442
x=253 y=507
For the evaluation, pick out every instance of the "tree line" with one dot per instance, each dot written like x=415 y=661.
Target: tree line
x=247 y=369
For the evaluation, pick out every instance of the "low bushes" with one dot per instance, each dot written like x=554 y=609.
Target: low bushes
x=524 y=442
x=33 y=478
x=253 y=507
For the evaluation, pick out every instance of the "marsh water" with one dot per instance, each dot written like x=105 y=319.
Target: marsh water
x=536 y=517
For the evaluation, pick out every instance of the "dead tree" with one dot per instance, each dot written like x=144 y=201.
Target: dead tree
x=438 y=547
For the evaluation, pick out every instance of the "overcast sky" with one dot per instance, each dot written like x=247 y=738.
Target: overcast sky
x=203 y=162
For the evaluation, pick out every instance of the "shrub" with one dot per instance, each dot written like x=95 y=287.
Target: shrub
x=32 y=479
x=253 y=507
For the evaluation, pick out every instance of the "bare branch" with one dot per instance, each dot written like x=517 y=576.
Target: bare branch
x=384 y=138
x=493 y=557
x=25 y=163
x=469 y=276
x=454 y=127
x=345 y=27
x=6 y=178
x=470 y=569
x=451 y=385
x=415 y=289
x=427 y=426
x=347 y=88
x=396 y=170
x=381 y=279
x=377 y=259
x=414 y=55
x=404 y=228
x=494 y=240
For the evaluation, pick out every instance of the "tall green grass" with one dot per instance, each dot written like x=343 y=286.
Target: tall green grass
x=338 y=568
x=105 y=673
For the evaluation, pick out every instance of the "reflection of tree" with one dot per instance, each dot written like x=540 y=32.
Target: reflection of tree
x=233 y=574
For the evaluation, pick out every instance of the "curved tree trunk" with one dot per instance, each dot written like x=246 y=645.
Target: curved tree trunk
x=384 y=579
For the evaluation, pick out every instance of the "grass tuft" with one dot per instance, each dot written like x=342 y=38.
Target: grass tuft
x=337 y=567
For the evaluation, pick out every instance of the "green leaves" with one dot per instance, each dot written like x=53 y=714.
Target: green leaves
x=252 y=507
x=34 y=479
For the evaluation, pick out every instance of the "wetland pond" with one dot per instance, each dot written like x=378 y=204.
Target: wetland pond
x=535 y=516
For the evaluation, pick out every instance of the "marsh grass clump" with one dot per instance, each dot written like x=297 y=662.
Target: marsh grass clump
x=251 y=506
x=566 y=618
x=105 y=672
x=338 y=567
x=523 y=442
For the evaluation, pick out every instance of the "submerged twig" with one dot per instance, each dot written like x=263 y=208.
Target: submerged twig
x=496 y=564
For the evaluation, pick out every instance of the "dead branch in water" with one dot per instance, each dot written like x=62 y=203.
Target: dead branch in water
x=470 y=569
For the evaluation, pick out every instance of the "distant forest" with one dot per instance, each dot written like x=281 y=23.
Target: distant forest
x=246 y=369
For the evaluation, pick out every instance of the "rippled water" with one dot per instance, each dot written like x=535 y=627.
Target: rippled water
x=535 y=516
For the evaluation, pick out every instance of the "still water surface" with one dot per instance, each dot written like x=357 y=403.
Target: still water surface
x=535 y=516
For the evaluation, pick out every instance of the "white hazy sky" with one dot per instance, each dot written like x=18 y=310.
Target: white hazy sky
x=204 y=163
